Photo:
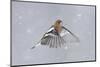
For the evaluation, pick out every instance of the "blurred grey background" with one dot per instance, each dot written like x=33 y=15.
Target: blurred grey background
x=31 y=20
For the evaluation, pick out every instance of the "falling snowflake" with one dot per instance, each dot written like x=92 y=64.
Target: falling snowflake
x=20 y=17
x=79 y=15
x=29 y=30
x=20 y=23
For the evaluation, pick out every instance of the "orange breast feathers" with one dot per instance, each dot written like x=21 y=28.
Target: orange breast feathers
x=57 y=27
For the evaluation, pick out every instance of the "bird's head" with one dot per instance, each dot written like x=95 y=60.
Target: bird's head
x=57 y=25
x=58 y=22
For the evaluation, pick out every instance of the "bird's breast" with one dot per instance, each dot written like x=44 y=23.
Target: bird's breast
x=58 y=29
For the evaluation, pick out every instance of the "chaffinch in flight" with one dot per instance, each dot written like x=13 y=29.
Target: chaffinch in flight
x=55 y=36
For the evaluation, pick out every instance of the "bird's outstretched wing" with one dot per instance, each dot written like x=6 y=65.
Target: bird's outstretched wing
x=45 y=37
x=53 y=40
x=68 y=35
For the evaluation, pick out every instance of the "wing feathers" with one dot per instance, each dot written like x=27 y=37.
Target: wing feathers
x=51 y=39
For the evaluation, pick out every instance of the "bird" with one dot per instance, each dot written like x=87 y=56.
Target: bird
x=56 y=36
